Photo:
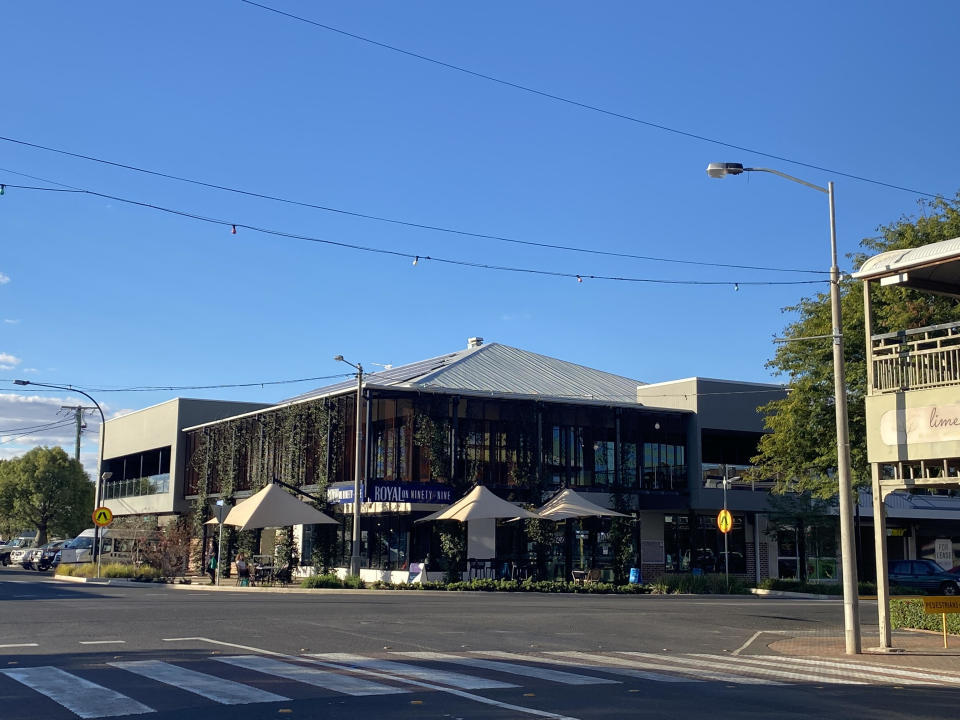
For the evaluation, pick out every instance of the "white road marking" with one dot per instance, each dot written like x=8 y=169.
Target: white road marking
x=726 y=664
x=586 y=665
x=747 y=643
x=102 y=642
x=385 y=676
x=659 y=664
x=346 y=684
x=557 y=676
x=458 y=680
x=16 y=645
x=825 y=668
x=225 y=692
x=918 y=673
x=81 y=697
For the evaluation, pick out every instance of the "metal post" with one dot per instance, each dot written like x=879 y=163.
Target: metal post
x=851 y=610
x=726 y=550
x=220 y=516
x=103 y=432
x=358 y=469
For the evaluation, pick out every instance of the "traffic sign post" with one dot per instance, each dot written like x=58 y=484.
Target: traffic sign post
x=941 y=606
x=102 y=516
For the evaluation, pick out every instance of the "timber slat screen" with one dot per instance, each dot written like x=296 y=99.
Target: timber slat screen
x=916 y=359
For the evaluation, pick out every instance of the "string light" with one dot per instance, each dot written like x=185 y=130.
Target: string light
x=399 y=253
x=416 y=260
x=736 y=286
x=2 y=188
x=233 y=229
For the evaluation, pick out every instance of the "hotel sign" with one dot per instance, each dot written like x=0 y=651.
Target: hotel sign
x=342 y=493
x=930 y=424
x=410 y=493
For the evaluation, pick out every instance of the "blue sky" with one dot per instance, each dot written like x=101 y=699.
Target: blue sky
x=102 y=294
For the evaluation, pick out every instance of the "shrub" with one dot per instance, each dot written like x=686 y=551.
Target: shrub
x=144 y=573
x=686 y=583
x=908 y=613
x=321 y=581
x=863 y=588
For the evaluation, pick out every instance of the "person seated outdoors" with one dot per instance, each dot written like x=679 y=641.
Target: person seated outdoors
x=243 y=571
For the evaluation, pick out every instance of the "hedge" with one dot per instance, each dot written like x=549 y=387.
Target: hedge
x=909 y=614
x=143 y=573
x=686 y=583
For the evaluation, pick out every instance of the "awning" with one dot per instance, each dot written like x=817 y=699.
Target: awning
x=933 y=268
x=479 y=504
x=570 y=504
x=274 y=507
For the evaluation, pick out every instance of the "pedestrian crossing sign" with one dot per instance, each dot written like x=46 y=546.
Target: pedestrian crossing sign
x=724 y=521
x=102 y=516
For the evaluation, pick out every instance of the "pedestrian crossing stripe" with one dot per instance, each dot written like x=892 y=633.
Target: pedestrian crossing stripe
x=79 y=696
x=349 y=684
x=225 y=692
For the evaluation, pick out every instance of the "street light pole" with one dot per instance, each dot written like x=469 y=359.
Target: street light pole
x=357 y=471
x=851 y=610
x=103 y=433
x=726 y=535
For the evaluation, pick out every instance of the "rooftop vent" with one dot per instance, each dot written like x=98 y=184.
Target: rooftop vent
x=474 y=342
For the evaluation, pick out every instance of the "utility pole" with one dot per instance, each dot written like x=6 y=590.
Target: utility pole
x=78 y=415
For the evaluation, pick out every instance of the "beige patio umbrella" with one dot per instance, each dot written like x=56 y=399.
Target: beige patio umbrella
x=274 y=507
x=480 y=504
x=570 y=504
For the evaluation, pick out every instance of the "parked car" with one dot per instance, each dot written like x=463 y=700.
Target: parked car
x=25 y=539
x=923 y=575
x=42 y=558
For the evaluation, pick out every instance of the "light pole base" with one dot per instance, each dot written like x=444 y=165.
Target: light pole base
x=355 y=564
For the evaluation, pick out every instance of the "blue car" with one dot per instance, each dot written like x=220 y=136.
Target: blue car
x=924 y=575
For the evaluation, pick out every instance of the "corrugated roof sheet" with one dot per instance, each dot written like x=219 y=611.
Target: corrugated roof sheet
x=498 y=370
x=897 y=261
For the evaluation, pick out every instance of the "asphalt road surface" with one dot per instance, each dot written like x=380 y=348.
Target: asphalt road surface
x=81 y=650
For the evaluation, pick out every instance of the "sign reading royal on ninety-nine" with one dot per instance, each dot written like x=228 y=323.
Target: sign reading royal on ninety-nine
x=409 y=493
x=929 y=424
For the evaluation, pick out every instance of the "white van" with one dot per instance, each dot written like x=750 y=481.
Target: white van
x=120 y=545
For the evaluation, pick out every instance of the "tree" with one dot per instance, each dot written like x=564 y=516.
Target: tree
x=170 y=553
x=47 y=490
x=800 y=451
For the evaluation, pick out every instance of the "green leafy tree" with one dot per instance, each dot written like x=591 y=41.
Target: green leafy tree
x=800 y=451
x=46 y=490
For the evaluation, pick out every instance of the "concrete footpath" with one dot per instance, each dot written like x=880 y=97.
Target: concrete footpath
x=911 y=649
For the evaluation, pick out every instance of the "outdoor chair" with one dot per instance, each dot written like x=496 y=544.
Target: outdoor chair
x=593 y=576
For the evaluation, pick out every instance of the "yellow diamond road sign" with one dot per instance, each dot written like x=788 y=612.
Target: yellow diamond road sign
x=102 y=516
x=724 y=521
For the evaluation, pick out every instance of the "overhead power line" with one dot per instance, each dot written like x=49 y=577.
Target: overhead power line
x=586 y=106
x=63 y=424
x=381 y=218
x=416 y=257
x=218 y=386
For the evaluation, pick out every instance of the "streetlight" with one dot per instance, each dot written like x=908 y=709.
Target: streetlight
x=851 y=611
x=100 y=474
x=357 y=470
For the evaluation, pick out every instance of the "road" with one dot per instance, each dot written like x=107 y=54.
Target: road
x=80 y=650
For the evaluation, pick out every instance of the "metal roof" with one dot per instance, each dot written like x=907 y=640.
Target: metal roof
x=934 y=267
x=498 y=370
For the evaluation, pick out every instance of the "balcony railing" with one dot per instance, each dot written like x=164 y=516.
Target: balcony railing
x=926 y=357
